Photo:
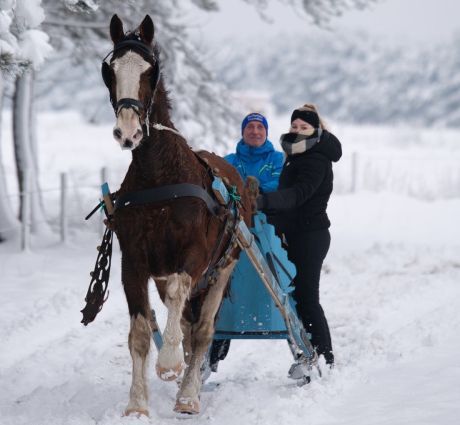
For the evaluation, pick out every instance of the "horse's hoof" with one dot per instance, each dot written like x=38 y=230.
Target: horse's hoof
x=187 y=406
x=169 y=374
x=136 y=412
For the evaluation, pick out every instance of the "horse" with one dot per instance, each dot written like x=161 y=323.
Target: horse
x=175 y=241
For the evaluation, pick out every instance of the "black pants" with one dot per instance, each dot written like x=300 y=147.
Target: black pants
x=307 y=250
x=219 y=351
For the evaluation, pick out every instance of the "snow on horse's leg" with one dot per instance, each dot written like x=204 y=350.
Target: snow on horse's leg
x=188 y=397
x=170 y=361
x=139 y=345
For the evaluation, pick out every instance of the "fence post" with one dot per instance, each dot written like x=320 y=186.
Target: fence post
x=63 y=218
x=26 y=217
x=103 y=180
x=354 y=171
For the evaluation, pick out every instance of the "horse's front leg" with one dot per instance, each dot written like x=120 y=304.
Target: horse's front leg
x=170 y=362
x=188 y=397
x=135 y=285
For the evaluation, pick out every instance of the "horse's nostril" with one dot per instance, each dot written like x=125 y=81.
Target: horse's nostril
x=117 y=133
x=128 y=144
x=139 y=134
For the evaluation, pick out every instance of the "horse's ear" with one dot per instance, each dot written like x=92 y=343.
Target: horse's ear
x=116 y=29
x=147 y=30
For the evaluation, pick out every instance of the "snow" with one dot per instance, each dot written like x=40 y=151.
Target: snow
x=34 y=46
x=7 y=41
x=29 y=13
x=389 y=289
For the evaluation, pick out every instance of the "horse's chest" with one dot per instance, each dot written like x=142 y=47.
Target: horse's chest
x=177 y=222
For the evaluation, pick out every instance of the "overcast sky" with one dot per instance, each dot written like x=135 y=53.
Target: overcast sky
x=418 y=20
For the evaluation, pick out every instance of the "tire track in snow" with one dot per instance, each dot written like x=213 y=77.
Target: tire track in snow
x=82 y=375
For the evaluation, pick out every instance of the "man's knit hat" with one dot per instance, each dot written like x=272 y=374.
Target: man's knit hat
x=255 y=116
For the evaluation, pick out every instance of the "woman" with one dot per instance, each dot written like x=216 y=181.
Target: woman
x=299 y=209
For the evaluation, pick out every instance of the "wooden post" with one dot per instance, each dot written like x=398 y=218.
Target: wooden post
x=63 y=217
x=354 y=172
x=26 y=216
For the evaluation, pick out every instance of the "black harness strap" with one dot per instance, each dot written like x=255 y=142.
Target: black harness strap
x=96 y=295
x=127 y=103
x=167 y=193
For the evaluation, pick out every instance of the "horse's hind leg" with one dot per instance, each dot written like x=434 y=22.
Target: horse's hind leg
x=170 y=361
x=187 y=400
x=136 y=291
x=187 y=342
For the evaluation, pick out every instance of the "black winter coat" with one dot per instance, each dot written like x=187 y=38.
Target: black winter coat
x=304 y=189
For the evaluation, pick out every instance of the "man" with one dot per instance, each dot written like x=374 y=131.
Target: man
x=254 y=156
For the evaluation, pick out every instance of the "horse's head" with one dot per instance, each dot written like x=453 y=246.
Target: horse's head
x=131 y=75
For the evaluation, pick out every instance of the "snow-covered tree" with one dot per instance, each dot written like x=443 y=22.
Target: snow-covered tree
x=360 y=79
x=33 y=48
x=8 y=221
x=200 y=106
x=319 y=11
x=78 y=29
x=8 y=63
x=202 y=109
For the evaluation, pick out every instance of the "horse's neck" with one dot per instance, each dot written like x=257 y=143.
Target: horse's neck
x=160 y=157
x=164 y=157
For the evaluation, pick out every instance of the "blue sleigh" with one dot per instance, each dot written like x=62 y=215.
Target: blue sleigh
x=249 y=312
x=260 y=305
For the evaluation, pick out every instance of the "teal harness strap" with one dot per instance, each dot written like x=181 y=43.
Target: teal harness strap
x=234 y=194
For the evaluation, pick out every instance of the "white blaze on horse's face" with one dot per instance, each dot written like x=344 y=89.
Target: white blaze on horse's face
x=128 y=70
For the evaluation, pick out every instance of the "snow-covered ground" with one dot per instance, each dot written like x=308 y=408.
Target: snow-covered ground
x=390 y=290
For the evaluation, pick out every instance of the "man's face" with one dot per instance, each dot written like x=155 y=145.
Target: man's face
x=254 y=134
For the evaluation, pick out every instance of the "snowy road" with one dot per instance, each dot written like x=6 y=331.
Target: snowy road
x=390 y=289
x=392 y=308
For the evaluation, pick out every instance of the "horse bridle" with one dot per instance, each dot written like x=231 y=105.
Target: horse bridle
x=138 y=107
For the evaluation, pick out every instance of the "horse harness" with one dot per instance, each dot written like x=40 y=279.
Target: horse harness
x=97 y=293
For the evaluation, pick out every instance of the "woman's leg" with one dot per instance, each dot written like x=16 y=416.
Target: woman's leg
x=307 y=250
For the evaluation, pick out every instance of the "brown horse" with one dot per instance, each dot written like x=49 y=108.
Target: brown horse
x=175 y=241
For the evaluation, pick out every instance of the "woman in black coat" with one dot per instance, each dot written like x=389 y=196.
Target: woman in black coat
x=298 y=210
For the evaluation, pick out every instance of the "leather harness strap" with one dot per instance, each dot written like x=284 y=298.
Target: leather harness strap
x=167 y=193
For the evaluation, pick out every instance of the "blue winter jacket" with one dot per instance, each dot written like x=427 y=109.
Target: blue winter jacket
x=262 y=162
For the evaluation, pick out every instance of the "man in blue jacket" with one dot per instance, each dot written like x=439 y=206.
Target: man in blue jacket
x=255 y=156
